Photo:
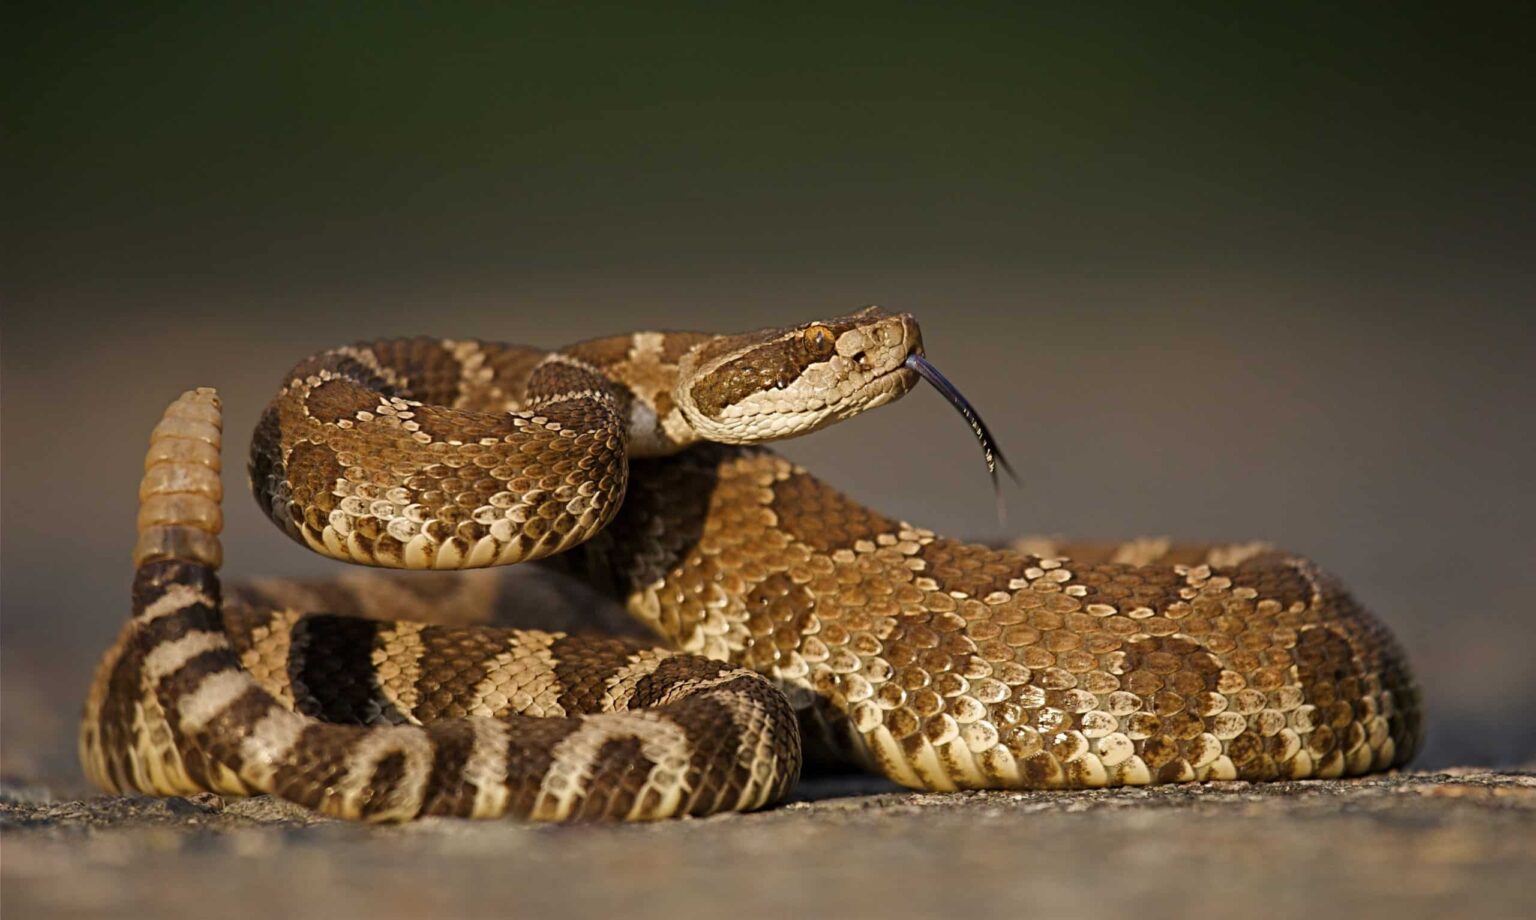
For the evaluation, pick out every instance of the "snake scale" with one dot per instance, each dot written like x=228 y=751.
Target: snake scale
x=788 y=610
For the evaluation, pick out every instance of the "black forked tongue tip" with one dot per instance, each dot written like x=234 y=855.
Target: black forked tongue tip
x=989 y=447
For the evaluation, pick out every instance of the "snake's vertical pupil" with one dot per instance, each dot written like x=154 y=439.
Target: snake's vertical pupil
x=820 y=338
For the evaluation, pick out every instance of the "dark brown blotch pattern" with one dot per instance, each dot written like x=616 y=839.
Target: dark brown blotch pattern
x=823 y=518
x=969 y=569
x=312 y=471
x=331 y=671
x=427 y=369
x=336 y=399
x=454 y=661
x=448 y=790
x=619 y=772
x=583 y=663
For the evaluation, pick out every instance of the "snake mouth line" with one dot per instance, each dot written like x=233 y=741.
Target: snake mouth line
x=994 y=455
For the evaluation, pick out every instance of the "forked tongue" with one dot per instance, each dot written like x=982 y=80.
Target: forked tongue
x=989 y=447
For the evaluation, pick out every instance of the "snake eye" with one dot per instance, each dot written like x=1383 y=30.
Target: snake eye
x=820 y=338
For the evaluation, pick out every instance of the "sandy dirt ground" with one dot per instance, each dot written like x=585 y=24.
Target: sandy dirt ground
x=1459 y=843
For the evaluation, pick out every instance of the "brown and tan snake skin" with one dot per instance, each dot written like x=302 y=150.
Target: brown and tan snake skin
x=785 y=606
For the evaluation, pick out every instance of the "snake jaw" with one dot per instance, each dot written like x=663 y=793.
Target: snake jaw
x=754 y=424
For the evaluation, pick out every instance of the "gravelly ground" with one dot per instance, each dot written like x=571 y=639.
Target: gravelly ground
x=1459 y=843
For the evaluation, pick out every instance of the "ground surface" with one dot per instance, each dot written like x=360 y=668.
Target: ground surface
x=1460 y=843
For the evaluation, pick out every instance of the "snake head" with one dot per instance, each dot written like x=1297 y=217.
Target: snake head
x=779 y=383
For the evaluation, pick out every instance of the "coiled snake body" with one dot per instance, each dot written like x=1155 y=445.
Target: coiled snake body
x=785 y=605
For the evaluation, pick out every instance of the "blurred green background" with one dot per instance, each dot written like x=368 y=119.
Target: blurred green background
x=1216 y=272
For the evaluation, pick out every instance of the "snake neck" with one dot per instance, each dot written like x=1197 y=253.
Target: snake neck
x=640 y=374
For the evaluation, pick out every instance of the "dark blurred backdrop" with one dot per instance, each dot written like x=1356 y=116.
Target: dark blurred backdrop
x=1218 y=273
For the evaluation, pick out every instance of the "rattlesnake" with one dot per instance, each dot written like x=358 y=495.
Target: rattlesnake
x=787 y=607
